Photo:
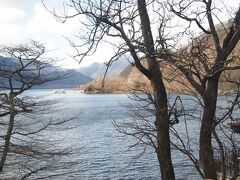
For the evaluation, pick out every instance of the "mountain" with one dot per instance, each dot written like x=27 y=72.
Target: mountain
x=127 y=80
x=65 y=78
x=68 y=79
x=97 y=70
x=130 y=79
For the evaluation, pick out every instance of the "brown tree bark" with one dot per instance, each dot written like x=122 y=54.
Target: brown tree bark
x=207 y=127
x=162 y=125
x=222 y=155
x=160 y=96
x=206 y=151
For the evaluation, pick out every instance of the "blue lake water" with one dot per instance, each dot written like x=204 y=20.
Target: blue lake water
x=103 y=153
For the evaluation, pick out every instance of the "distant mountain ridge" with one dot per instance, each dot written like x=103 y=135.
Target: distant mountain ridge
x=68 y=78
x=130 y=79
x=96 y=70
x=71 y=79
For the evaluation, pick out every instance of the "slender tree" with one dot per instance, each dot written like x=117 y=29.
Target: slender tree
x=24 y=118
x=203 y=62
x=128 y=24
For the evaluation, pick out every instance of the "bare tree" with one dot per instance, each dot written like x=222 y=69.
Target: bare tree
x=127 y=23
x=226 y=136
x=202 y=63
x=141 y=124
x=24 y=118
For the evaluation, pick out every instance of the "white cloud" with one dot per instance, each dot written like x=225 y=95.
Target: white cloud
x=20 y=23
x=43 y=21
x=17 y=3
x=12 y=33
x=11 y=14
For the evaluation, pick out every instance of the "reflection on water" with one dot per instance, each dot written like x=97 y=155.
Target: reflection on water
x=104 y=153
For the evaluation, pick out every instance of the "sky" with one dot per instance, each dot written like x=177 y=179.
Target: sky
x=24 y=20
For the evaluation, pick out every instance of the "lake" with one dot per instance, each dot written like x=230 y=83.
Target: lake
x=102 y=152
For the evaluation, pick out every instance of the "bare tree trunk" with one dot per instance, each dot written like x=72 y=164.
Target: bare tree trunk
x=163 y=139
x=206 y=151
x=162 y=125
x=208 y=123
x=221 y=148
x=160 y=96
x=9 y=132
